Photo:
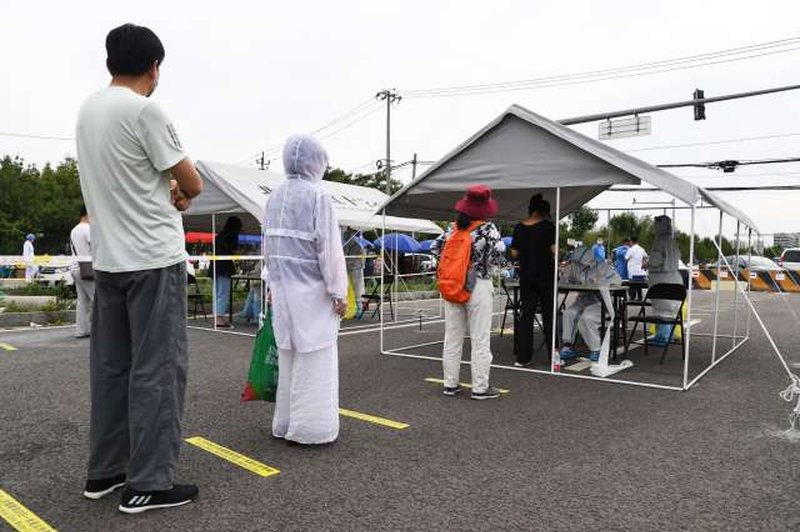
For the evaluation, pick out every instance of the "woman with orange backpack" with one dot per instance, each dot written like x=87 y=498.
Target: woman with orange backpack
x=468 y=253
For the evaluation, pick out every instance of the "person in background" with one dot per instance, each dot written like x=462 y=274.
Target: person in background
x=355 y=257
x=475 y=316
x=663 y=265
x=533 y=245
x=584 y=313
x=636 y=258
x=252 y=305
x=307 y=279
x=620 y=262
x=599 y=250
x=136 y=177
x=80 y=241
x=227 y=243
x=28 y=254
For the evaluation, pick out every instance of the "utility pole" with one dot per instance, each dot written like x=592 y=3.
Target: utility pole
x=414 y=167
x=391 y=96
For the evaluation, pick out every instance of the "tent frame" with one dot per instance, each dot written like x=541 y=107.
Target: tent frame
x=687 y=384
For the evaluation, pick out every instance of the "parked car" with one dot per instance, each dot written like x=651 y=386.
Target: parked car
x=790 y=259
x=53 y=275
x=754 y=263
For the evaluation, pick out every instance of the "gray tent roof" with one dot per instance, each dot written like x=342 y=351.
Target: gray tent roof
x=520 y=153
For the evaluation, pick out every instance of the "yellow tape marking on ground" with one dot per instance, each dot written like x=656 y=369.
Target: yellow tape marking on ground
x=20 y=517
x=230 y=455
x=7 y=347
x=462 y=384
x=374 y=419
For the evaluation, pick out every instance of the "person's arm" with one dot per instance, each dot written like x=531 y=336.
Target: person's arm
x=189 y=184
x=163 y=148
x=330 y=253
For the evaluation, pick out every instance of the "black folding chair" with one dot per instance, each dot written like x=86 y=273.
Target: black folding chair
x=379 y=298
x=196 y=296
x=514 y=306
x=668 y=292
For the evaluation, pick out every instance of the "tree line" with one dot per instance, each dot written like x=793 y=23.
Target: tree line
x=46 y=202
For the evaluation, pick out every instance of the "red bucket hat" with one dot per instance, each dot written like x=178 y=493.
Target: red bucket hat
x=477 y=203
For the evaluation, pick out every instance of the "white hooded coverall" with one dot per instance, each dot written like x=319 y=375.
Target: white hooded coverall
x=305 y=272
x=664 y=261
x=583 y=315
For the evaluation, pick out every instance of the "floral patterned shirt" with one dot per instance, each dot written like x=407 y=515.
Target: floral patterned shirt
x=488 y=249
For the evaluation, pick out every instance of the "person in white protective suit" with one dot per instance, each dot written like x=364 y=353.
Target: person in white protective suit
x=28 y=254
x=664 y=260
x=355 y=258
x=583 y=315
x=305 y=273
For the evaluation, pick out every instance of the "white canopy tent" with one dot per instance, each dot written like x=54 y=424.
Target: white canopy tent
x=229 y=189
x=521 y=153
x=232 y=190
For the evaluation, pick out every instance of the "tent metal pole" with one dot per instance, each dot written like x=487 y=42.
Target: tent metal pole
x=383 y=267
x=608 y=234
x=687 y=327
x=716 y=302
x=554 y=319
x=736 y=280
x=214 y=262
x=749 y=280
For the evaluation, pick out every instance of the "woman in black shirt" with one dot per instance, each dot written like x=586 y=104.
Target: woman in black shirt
x=534 y=246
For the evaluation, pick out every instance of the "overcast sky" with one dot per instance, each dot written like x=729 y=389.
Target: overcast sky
x=239 y=77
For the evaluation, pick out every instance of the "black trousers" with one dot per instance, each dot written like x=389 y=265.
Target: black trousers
x=532 y=298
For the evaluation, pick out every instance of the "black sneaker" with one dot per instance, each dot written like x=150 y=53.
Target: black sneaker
x=490 y=393
x=451 y=390
x=135 y=502
x=97 y=489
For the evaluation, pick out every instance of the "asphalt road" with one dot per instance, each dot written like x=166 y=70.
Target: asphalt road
x=552 y=454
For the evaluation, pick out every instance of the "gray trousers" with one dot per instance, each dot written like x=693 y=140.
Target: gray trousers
x=138 y=366
x=83 y=312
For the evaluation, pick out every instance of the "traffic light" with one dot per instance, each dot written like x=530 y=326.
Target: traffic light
x=699 y=108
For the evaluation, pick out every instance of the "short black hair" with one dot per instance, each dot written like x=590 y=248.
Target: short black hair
x=132 y=50
x=633 y=238
x=538 y=205
x=83 y=211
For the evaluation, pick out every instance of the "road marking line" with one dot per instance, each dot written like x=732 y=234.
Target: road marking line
x=230 y=455
x=20 y=517
x=7 y=347
x=373 y=419
x=462 y=384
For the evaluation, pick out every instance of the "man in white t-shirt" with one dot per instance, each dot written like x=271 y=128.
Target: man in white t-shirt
x=636 y=257
x=135 y=178
x=80 y=241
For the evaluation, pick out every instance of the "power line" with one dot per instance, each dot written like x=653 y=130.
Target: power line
x=355 y=114
x=708 y=59
x=39 y=137
x=728 y=166
x=715 y=142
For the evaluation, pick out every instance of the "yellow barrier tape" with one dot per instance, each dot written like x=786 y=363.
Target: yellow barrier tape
x=373 y=419
x=230 y=455
x=462 y=384
x=7 y=347
x=20 y=517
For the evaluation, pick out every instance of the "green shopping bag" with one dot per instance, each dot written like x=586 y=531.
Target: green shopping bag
x=262 y=379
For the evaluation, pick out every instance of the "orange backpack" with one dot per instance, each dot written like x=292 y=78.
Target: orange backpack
x=454 y=264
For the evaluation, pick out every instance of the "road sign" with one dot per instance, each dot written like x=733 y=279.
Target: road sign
x=625 y=127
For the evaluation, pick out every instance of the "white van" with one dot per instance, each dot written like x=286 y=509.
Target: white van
x=790 y=259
